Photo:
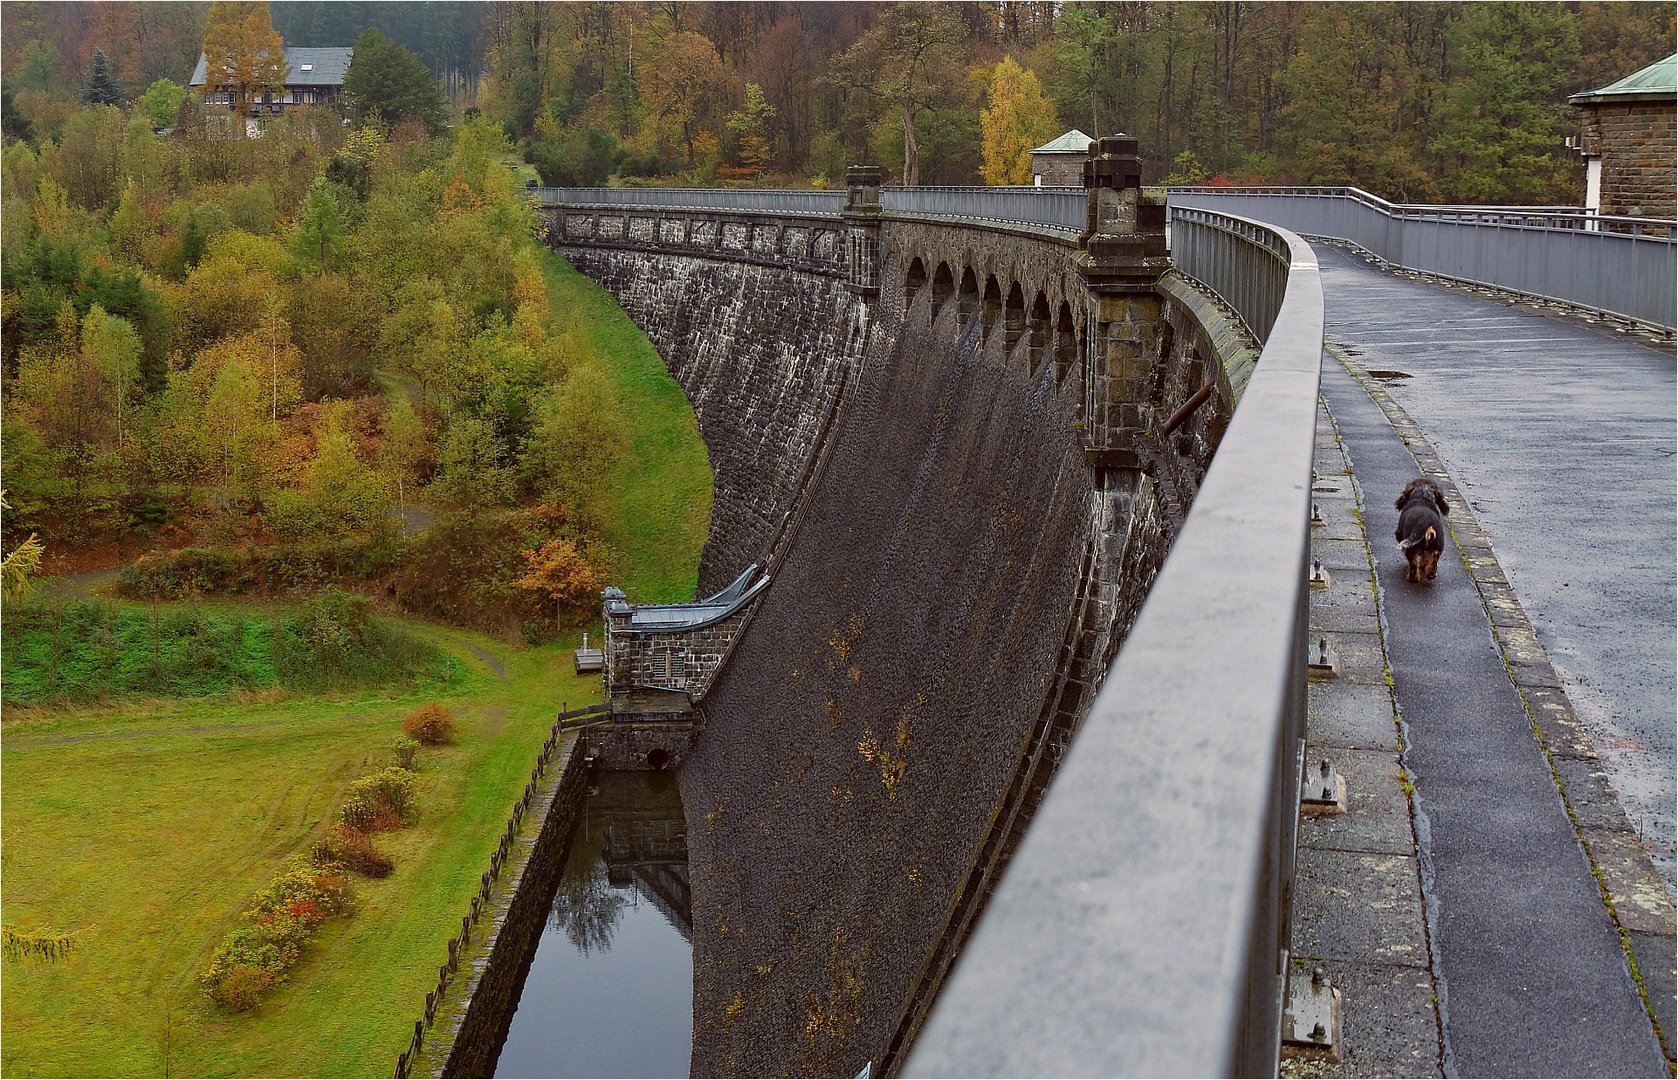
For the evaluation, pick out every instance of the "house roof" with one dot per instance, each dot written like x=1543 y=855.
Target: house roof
x=1657 y=82
x=1073 y=142
x=309 y=67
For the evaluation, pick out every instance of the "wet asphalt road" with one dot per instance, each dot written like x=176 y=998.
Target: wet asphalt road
x=1531 y=977
x=1562 y=436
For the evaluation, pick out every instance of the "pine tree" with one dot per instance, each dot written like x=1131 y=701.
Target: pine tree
x=192 y=241
x=102 y=86
x=387 y=79
x=320 y=228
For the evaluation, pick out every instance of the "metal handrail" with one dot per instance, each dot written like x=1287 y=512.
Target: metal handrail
x=1570 y=217
x=753 y=200
x=1058 y=208
x=1617 y=267
x=1141 y=927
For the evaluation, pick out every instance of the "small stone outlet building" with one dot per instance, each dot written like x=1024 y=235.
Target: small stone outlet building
x=675 y=648
x=1060 y=163
x=1630 y=143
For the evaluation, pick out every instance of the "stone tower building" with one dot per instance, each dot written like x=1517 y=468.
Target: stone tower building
x=1630 y=142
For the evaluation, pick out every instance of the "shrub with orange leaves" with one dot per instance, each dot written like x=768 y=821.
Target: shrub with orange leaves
x=432 y=724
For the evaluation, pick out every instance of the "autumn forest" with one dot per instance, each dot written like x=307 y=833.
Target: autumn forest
x=256 y=358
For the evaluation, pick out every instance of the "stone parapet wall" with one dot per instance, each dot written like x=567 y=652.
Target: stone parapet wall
x=1201 y=338
x=811 y=244
x=1638 y=143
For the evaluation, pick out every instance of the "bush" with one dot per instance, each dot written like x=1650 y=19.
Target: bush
x=285 y=915
x=241 y=987
x=302 y=881
x=431 y=725
x=404 y=748
x=347 y=846
x=382 y=801
x=334 y=641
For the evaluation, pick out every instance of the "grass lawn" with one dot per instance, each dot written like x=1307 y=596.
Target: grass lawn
x=663 y=495
x=149 y=838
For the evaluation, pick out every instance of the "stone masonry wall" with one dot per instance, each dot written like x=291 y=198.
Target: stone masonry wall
x=761 y=352
x=957 y=582
x=635 y=659
x=472 y=1024
x=1638 y=142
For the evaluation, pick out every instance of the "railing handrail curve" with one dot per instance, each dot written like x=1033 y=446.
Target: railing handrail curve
x=1620 y=268
x=1397 y=209
x=1135 y=932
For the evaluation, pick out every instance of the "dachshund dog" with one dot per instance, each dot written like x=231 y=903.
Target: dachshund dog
x=1421 y=528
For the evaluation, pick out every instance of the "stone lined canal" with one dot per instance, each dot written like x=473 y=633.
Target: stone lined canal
x=609 y=991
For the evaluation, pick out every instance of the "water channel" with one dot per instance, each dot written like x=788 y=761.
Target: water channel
x=609 y=991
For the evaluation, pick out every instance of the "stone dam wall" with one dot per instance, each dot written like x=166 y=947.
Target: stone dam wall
x=761 y=352
x=957 y=581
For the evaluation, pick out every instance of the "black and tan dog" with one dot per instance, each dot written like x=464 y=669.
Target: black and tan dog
x=1421 y=528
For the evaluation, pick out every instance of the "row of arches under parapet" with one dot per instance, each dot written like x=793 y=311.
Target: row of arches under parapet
x=1052 y=335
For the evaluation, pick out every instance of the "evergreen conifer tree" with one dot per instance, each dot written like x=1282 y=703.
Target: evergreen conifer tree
x=320 y=229
x=192 y=241
x=102 y=86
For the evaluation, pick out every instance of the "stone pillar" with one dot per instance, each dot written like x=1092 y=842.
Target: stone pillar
x=1123 y=259
x=862 y=232
x=615 y=668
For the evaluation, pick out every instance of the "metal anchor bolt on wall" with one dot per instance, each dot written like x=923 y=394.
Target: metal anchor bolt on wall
x=1323 y=661
x=1322 y=790
x=1311 y=1023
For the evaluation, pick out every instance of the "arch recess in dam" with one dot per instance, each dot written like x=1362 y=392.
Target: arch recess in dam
x=961 y=449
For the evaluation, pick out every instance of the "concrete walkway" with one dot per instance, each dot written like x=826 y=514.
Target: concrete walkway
x=1485 y=906
x=1562 y=436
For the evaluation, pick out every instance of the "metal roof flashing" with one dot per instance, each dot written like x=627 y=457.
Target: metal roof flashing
x=1657 y=82
x=665 y=618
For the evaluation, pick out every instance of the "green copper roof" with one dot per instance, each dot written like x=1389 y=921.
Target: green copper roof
x=1073 y=142
x=1656 y=82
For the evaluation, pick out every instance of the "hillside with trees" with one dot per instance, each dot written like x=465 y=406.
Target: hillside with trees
x=330 y=354
x=1421 y=101
x=325 y=355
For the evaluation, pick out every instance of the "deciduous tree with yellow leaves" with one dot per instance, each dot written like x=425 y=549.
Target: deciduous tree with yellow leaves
x=1019 y=118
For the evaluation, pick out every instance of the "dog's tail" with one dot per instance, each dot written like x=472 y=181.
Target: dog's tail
x=1425 y=541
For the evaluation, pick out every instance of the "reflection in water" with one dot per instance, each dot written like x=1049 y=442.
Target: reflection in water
x=610 y=989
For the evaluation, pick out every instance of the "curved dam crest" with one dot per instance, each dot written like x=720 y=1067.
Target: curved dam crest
x=950 y=579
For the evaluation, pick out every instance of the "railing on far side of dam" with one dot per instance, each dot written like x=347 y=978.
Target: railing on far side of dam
x=1057 y=208
x=1142 y=928
x=1620 y=267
